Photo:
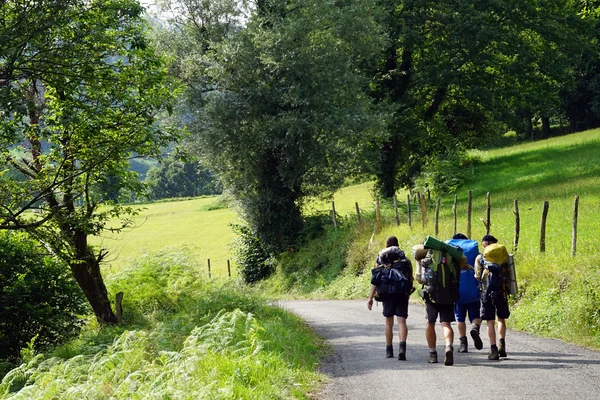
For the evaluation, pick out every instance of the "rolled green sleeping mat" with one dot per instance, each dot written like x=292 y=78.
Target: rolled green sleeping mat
x=436 y=244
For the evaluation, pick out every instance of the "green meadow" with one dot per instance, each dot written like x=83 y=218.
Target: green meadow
x=204 y=231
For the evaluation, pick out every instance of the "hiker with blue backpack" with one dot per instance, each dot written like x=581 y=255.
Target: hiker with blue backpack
x=392 y=284
x=468 y=303
x=490 y=270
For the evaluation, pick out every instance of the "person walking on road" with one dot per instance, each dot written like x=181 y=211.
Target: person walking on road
x=468 y=303
x=392 y=283
x=439 y=297
x=494 y=300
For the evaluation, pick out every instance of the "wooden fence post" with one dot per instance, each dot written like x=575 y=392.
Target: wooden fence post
x=378 y=214
x=119 y=307
x=358 y=213
x=469 y=208
x=228 y=269
x=333 y=215
x=437 y=215
x=517 y=226
x=488 y=211
x=454 y=213
x=543 y=227
x=423 y=210
x=396 y=210
x=574 y=238
x=209 y=268
x=408 y=209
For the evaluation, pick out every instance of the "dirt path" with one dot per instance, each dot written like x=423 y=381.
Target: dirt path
x=536 y=368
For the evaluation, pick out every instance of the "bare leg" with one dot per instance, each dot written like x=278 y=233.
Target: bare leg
x=491 y=328
x=462 y=329
x=430 y=335
x=448 y=333
x=402 y=329
x=389 y=330
x=501 y=328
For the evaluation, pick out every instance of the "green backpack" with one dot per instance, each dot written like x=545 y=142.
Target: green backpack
x=440 y=276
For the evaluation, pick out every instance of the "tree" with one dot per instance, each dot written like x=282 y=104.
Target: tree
x=287 y=117
x=81 y=89
x=468 y=59
x=180 y=178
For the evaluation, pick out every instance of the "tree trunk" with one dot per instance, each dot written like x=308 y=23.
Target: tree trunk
x=275 y=215
x=529 y=127
x=388 y=168
x=546 y=131
x=86 y=270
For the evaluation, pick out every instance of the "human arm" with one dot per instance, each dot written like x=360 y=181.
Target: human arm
x=478 y=267
x=370 y=298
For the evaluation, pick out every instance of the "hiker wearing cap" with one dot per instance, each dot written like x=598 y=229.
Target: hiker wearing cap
x=494 y=301
x=392 y=284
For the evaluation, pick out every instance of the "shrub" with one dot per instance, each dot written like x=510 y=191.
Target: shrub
x=252 y=257
x=40 y=303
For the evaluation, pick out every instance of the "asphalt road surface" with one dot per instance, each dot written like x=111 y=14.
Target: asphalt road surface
x=536 y=368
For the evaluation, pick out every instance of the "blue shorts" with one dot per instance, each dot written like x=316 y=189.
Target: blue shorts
x=489 y=308
x=396 y=306
x=472 y=309
x=445 y=311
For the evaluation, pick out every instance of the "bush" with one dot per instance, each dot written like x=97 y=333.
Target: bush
x=40 y=303
x=252 y=257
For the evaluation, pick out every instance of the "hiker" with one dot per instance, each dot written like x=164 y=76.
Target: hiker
x=493 y=302
x=392 y=283
x=468 y=302
x=439 y=291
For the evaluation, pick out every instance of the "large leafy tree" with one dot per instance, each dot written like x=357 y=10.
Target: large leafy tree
x=281 y=113
x=80 y=88
x=451 y=64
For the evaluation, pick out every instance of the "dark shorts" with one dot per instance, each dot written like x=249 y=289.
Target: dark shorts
x=396 y=306
x=472 y=309
x=445 y=311
x=490 y=308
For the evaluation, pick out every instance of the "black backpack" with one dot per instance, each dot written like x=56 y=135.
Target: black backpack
x=392 y=275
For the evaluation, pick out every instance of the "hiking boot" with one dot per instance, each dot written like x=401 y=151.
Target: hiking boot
x=476 y=338
x=493 y=354
x=389 y=351
x=464 y=346
x=449 y=356
x=432 y=357
x=402 y=351
x=502 y=348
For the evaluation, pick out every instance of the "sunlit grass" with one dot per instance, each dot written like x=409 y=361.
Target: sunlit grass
x=205 y=232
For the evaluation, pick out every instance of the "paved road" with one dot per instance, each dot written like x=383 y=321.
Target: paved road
x=536 y=368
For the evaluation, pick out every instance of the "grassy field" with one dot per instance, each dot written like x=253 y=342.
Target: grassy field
x=205 y=233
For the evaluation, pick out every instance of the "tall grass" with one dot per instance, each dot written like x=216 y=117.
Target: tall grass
x=185 y=337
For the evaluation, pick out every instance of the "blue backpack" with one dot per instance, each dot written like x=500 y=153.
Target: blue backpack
x=469 y=286
x=469 y=248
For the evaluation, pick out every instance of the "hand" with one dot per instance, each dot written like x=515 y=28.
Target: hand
x=370 y=303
